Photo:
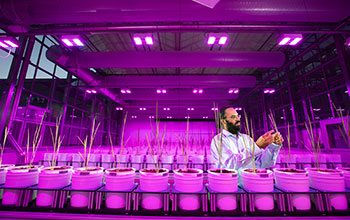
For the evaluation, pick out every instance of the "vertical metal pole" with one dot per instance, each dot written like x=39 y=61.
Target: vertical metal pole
x=65 y=102
x=21 y=80
x=264 y=111
x=343 y=55
x=8 y=94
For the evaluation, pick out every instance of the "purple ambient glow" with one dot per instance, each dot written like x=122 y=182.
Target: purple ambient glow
x=348 y=41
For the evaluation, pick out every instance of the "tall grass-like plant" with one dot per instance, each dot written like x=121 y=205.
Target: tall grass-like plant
x=2 y=146
x=345 y=121
x=56 y=142
x=88 y=146
x=219 y=130
x=251 y=145
x=112 y=149
x=314 y=141
x=35 y=144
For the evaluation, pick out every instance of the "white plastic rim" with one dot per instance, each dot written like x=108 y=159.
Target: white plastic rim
x=3 y=171
x=330 y=180
x=154 y=181
x=19 y=177
x=346 y=171
x=118 y=179
x=22 y=176
x=223 y=182
x=259 y=182
x=294 y=182
x=188 y=182
x=52 y=178
x=83 y=178
x=326 y=179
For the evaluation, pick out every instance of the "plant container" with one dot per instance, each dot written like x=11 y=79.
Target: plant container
x=85 y=178
x=329 y=180
x=19 y=177
x=118 y=179
x=224 y=180
x=188 y=181
x=153 y=180
x=259 y=181
x=294 y=180
x=55 y=177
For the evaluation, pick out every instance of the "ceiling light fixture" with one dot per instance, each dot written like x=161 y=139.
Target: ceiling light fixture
x=9 y=42
x=72 y=40
x=290 y=39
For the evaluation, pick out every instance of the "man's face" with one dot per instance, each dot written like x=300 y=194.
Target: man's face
x=232 y=121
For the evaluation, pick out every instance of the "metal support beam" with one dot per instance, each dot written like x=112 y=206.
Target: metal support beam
x=9 y=92
x=344 y=58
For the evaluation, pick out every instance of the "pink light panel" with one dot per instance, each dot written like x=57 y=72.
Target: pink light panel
x=290 y=39
x=9 y=42
x=269 y=90
x=119 y=108
x=233 y=90
x=222 y=40
x=72 y=40
x=159 y=91
x=142 y=109
x=190 y=109
x=348 y=41
x=211 y=40
x=140 y=38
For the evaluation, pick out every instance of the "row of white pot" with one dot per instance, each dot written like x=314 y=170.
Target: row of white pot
x=186 y=180
x=294 y=180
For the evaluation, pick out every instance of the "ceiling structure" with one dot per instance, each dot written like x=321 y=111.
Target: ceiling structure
x=180 y=58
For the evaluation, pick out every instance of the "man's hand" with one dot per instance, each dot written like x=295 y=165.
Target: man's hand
x=265 y=140
x=277 y=138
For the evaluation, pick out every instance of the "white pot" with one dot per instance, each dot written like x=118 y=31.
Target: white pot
x=329 y=180
x=118 y=179
x=189 y=182
x=294 y=180
x=346 y=171
x=52 y=178
x=3 y=172
x=259 y=182
x=136 y=161
x=151 y=161
x=224 y=182
x=19 y=177
x=153 y=182
x=167 y=161
x=85 y=179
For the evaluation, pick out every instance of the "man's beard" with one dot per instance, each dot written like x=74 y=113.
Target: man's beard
x=233 y=128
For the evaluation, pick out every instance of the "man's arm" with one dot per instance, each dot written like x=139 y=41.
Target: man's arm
x=269 y=156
